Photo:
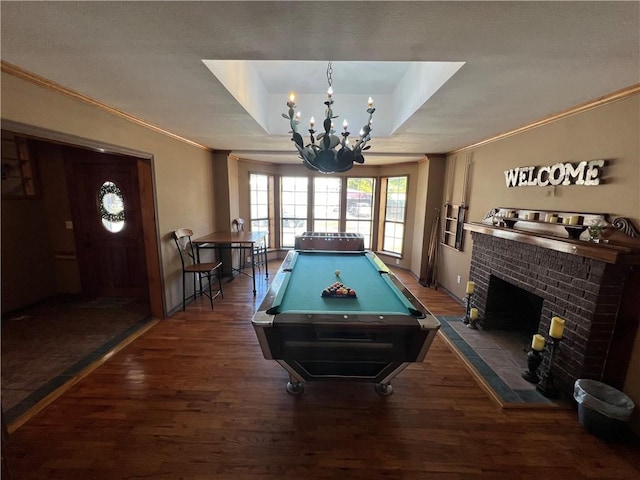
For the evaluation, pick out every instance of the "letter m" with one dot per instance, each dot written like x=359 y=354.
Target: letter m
x=575 y=173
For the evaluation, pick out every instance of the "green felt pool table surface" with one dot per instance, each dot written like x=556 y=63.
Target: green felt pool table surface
x=309 y=273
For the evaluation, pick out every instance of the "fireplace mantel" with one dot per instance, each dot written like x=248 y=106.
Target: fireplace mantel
x=605 y=252
x=566 y=232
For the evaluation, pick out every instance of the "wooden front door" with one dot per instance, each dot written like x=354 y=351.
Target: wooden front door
x=105 y=202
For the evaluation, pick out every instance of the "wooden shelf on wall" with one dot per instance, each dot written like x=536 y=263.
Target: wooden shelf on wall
x=452 y=225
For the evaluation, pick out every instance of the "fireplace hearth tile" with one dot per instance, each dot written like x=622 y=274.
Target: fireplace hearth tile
x=496 y=360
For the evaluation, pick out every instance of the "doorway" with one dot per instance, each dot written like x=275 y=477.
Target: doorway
x=107 y=263
x=104 y=197
x=101 y=275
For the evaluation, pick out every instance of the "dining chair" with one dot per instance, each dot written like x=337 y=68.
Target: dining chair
x=191 y=265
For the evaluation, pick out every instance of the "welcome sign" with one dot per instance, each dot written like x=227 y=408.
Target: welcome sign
x=583 y=173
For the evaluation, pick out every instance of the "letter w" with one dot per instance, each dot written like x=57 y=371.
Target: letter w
x=511 y=177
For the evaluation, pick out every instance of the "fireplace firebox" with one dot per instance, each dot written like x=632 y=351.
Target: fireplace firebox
x=512 y=308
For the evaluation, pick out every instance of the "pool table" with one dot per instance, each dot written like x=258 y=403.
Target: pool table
x=370 y=335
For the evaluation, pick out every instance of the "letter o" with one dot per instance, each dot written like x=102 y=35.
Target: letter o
x=556 y=174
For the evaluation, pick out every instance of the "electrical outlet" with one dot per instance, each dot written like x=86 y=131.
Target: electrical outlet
x=68 y=224
x=458 y=279
x=397 y=261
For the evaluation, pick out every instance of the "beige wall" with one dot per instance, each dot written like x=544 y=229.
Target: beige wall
x=608 y=132
x=418 y=220
x=183 y=173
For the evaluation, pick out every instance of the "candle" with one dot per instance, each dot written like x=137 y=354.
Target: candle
x=473 y=313
x=566 y=220
x=556 y=328
x=574 y=219
x=312 y=122
x=329 y=92
x=511 y=214
x=345 y=124
x=292 y=98
x=370 y=103
x=298 y=116
x=538 y=342
x=553 y=219
x=547 y=217
x=471 y=287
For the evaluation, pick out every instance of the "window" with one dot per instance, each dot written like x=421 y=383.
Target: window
x=394 y=198
x=293 y=214
x=261 y=204
x=326 y=204
x=360 y=207
x=111 y=206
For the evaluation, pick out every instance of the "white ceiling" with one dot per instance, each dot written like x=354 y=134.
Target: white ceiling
x=519 y=62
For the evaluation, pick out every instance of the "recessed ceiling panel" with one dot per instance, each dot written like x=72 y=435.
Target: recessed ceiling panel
x=398 y=89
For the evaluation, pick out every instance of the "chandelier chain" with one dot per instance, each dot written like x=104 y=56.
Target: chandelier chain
x=329 y=74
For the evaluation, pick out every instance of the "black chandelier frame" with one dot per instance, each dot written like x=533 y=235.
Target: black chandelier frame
x=326 y=152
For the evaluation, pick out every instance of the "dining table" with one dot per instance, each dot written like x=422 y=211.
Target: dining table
x=242 y=242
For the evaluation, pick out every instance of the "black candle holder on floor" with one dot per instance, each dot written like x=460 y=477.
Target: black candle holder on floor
x=546 y=386
x=534 y=359
x=467 y=320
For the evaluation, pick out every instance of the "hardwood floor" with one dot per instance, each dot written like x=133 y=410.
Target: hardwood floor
x=45 y=344
x=193 y=398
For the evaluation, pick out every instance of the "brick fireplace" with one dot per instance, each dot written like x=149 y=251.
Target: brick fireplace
x=588 y=293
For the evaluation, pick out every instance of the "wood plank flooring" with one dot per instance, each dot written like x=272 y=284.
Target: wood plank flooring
x=193 y=398
x=46 y=343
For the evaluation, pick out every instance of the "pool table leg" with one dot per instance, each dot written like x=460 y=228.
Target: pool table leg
x=384 y=388
x=294 y=387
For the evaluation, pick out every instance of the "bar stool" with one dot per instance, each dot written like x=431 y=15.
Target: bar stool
x=192 y=265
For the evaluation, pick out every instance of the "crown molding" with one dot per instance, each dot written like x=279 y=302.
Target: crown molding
x=45 y=83
x=598 y=102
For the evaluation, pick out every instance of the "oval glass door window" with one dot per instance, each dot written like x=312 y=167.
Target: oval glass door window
x=111 y=205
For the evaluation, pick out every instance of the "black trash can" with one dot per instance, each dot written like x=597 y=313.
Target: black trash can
x=603 y=410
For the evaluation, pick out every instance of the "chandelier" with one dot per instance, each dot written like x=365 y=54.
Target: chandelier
x=326 y=152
